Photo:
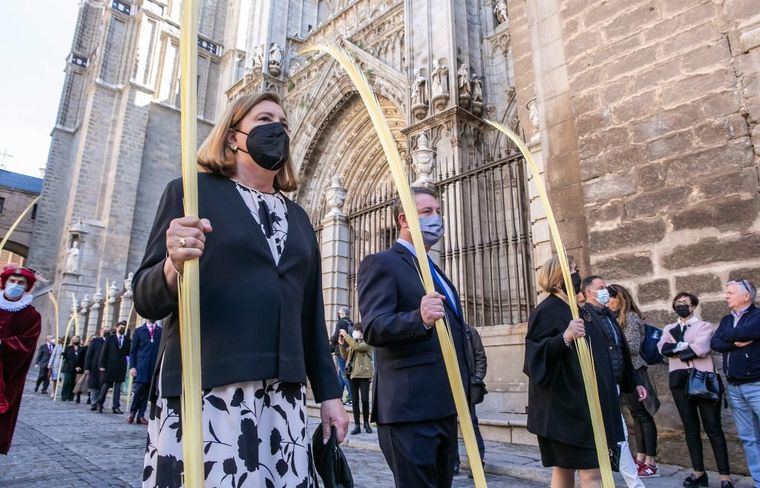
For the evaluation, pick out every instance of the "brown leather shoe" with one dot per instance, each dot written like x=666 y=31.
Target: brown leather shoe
x=130 y=419
x=143 y=421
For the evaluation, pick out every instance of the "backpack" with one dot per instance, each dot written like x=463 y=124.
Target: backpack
x=648 y=351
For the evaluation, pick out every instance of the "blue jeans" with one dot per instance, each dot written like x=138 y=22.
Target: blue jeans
x=745 y=405
x=340 y=364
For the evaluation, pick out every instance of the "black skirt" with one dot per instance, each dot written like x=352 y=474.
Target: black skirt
x=561 y=455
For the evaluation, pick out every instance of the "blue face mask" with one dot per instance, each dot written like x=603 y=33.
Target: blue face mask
x=603 y=296
x=432 y=229
x=14 y=291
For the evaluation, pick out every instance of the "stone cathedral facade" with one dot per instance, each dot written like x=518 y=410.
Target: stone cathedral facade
x=643 y=116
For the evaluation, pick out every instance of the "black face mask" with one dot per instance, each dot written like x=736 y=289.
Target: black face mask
x=576 y=277
x=268 y=145
x=682 y=311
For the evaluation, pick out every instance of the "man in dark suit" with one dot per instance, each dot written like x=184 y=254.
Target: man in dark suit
x=41 y=362
x=92 y=367
x=413 y=404
x=142 y=362
x=113 y=367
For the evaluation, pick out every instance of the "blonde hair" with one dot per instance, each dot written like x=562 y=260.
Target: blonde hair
x=216 y=156
x=550 y=278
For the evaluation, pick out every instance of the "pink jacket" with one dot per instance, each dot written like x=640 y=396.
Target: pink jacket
x=698 y=335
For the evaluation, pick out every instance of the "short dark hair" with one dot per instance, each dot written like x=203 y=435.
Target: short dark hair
x=587 y=281
x=398 y=209
x=692 y=298
x=121 y=322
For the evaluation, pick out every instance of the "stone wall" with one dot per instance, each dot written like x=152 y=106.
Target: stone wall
x=663 y=103
x=17 y=201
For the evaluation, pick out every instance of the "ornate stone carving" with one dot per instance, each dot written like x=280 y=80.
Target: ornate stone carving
x=532 y=107
x=128 y=285
x=423 y=160
x=464 y=85
x=440 y=79
x=294 y=67
x=500 y=11
x=335 y=197
x=419 y=95
x=275 y=59
x=257 y=58
x=72 y=258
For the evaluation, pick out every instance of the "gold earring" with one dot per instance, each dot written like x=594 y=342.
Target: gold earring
x=234 y=148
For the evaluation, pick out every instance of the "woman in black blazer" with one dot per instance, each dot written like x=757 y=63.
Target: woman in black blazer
x=262 y=316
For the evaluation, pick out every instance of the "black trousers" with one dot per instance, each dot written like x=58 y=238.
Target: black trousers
x=478 y=435
x=116 y=400
x=420 y=454
x=139 y=399
x=643 y=426
x=67 y=391
x=691 y=412
x=43 y=379
x=360 y=386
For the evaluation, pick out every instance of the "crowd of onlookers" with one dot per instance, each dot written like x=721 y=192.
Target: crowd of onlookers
x=624 y=347
x=69 y=370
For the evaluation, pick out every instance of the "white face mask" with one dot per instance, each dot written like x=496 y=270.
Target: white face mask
x=14 y=291
x=356 y=335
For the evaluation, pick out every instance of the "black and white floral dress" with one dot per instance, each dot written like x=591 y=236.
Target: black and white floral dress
x=254 y=432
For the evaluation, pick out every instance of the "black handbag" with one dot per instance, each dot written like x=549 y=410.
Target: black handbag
x=330 y=462
x=615 y=457
x=704 y=385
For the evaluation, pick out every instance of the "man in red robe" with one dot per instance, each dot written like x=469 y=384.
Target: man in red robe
x=19 y=330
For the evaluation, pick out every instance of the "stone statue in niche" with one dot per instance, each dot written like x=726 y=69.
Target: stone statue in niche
x=477 y=95
x=293 y=69
x=500 y=11
x=419 y=95
x=275 y=59
x=72 y=258
x=423 y=160
x=128 y=284
x=464 y=85
x=335 y=197
x=440 y=82
x=258 y=57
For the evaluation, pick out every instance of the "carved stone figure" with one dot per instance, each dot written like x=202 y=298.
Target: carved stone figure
x=72 y=258
x=419 y=95
x=500 y=11
x=463 y=80
x=275 y=59
x=293 y=69
x=532 y=107
x=440 y=77
x=128 y=285
x=258 y=57
x=477 y=88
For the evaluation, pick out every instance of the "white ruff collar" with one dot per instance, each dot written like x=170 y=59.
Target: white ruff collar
x=20 y=304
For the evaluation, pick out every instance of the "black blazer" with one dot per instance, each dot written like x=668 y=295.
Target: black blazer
x=72 y=359
x=43 y=355
x=258 y=320
x=143 y=354
x=114 y=359
x=410 y=377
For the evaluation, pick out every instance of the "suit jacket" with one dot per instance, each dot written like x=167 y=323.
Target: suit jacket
x=142 y=355
x=410 y=384
x=92 y=362
x=72 y=359
x=43 y=354
x=259 y=320
x=114 y=359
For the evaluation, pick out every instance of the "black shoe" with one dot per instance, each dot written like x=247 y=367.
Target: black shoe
x=44 y=392
x=726 y=484
x=89 y=402
x=367 y=428
x=694 y=481
x=100 y=408
x=456 y=468
x=94 y=407
x=78 y=400
x=117 y=411
x=35 y=390
x=357 y=430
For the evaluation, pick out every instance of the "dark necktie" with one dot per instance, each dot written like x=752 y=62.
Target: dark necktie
x=121 y=339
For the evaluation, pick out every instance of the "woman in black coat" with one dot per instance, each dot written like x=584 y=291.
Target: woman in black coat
x=92 y=368
x=70 y=368
x=262 y=317
x=558 y=413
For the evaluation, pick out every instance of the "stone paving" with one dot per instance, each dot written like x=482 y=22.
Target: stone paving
x=63 y=444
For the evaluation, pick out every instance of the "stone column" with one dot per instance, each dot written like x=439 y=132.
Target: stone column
x=126 y=300
x=92 y=326
x=335 y=248
x=539 y=225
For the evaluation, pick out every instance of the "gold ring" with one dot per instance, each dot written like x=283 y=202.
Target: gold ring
x=182 y=242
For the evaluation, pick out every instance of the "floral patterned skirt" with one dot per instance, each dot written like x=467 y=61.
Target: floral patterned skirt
x=254 y=435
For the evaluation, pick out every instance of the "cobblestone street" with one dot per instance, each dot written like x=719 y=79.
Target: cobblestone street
x=65 y=445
